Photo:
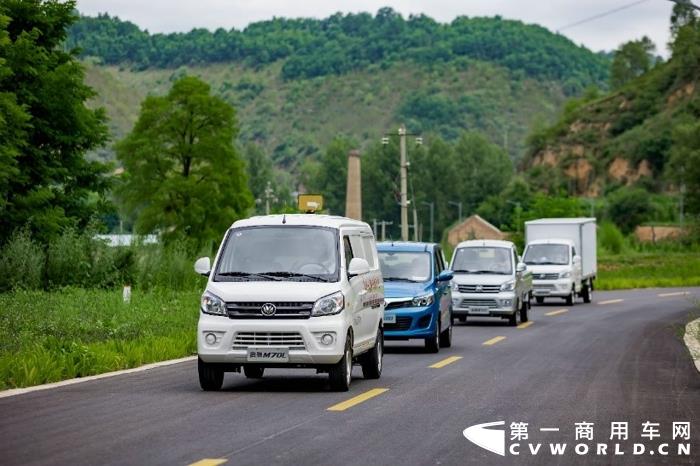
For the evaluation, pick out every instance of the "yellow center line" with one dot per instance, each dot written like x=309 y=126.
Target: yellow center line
x=667 y=295
x=209 y=462
x=358 y=399
x=445 y=362
x=493 y=341
x=556 y=313
x=611 y=301
x=525 y=324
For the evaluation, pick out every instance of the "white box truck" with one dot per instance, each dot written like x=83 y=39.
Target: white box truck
x=561 y=254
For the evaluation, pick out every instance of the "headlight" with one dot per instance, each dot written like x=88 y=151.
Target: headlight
x=454 y=286
x=212 y=304
x=565 y=275
x=422 y=301
x=329 y=305
x=508 y=286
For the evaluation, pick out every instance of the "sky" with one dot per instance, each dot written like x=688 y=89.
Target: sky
x=648 y=17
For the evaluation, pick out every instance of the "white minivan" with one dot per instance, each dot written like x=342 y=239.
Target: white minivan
x=292 y=291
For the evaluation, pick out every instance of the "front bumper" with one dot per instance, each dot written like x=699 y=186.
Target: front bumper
x=557 y=288
x=301 y=336
x=411 y=322
x=484 y=304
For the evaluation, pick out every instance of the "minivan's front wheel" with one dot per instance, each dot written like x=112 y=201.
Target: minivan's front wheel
x=340 y=373
x=371 y=361
x=446 y=336
x=211 y=377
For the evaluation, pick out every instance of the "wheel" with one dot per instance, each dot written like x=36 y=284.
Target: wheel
x=513 y=319
x=372 y=360
x=529 y=301
x=571 y=299
x=211 y=378
x=432 y=344
x=340 y=373
x=588 y=293
x=539 y=299
x=523 y=312
x=446 y=337
x=253 y=372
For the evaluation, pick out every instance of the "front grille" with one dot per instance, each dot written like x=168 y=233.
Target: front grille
x=545 y=276
x=490 y=303
x=292 y=340
x=544 y=286
x=284 y=310
x=397 y=305
x=479 y=288
x=402 y=323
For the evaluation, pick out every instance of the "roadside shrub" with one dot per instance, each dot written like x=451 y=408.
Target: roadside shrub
x=69 y=261
x=610 y=238
x=167 y=266
x=21 y=263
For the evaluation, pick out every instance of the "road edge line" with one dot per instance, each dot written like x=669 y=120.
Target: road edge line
x=692 y=343
x=64 y=383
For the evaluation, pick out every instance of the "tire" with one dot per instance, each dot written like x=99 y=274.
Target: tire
x=340 y=373
x=588 y=293
x=253 y=372
x=446 y=337
x=432 y=344
x=523 y=312
x=529 y=301
x=571 y=299
x=513 y=319
x=211 y=377
x=539 y=299
x=372 y=360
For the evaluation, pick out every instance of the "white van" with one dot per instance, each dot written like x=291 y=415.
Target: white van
x=292 y=291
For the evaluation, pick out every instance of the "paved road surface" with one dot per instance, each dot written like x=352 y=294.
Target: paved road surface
x=620 y=358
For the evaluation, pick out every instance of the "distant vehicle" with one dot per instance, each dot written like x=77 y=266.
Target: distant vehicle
x=490 y=281
x=561 y=253
x=292 y=291
x=418 y=300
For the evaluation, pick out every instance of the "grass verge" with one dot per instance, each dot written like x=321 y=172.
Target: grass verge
x=51 y=336
x=639 y=270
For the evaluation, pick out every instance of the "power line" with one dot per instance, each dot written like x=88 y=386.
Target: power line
x=602 y=15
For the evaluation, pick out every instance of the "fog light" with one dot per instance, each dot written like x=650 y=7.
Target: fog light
x=327 y=339
x=210 y=338
x=507 y=302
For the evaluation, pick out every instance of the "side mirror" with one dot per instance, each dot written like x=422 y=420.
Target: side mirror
x=203 y=266
x=521 y=267
x=358 y=266
x=445 y=276
x=577 y=260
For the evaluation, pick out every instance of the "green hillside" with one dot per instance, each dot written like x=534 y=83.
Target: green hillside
x=299 y=83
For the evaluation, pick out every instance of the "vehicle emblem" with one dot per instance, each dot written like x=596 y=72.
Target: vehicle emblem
x=479 y=288
x=268 y=309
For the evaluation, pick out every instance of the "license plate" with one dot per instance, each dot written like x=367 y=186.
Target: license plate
x=268 y=354
x=541 y=292
x=389 y=318
x=479 y=310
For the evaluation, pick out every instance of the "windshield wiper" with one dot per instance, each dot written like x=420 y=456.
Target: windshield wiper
x=247 y=275
x=297 y=275
x=399 y=279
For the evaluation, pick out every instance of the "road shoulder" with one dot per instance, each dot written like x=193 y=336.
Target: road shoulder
x=692 y=341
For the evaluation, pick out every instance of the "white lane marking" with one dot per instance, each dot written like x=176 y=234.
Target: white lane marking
x=64 y=383
x=668 y=295
x=611 y=301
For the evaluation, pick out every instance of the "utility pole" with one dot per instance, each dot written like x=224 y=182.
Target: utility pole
x=459 y=209
x=269 y=196
x=384 y=223
x=404 y=184
x=432 y=219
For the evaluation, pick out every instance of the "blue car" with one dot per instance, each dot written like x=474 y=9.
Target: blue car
x=417 y=294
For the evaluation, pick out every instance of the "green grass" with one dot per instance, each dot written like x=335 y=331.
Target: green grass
x=648 y=270
x=51 y=336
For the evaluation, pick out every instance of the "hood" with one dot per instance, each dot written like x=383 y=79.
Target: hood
x=405 y=289
x=272 y=291
x=473 y=279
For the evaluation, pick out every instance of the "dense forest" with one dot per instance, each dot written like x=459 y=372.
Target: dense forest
x=347 y=42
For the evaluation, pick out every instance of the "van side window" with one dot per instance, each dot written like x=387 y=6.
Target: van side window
x=348 y=251
x=436 y=262
x=358 y=249
x=369 y=252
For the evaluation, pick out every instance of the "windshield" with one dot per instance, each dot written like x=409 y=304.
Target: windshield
x=279 y=253
x=547 y=254
x=485 y=260
x=405 y=266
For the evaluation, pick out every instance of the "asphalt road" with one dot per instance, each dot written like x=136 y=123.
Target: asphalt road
x=619 y=359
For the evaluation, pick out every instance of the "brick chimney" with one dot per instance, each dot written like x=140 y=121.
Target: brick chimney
x=353 y=197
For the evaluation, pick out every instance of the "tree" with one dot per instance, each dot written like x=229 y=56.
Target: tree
x=629 y=207
x=331 y=175
x=259 y=169
x=684 y=166
x=632 y=59
x=681 y=16
x=46 y=128
x=183 y=175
